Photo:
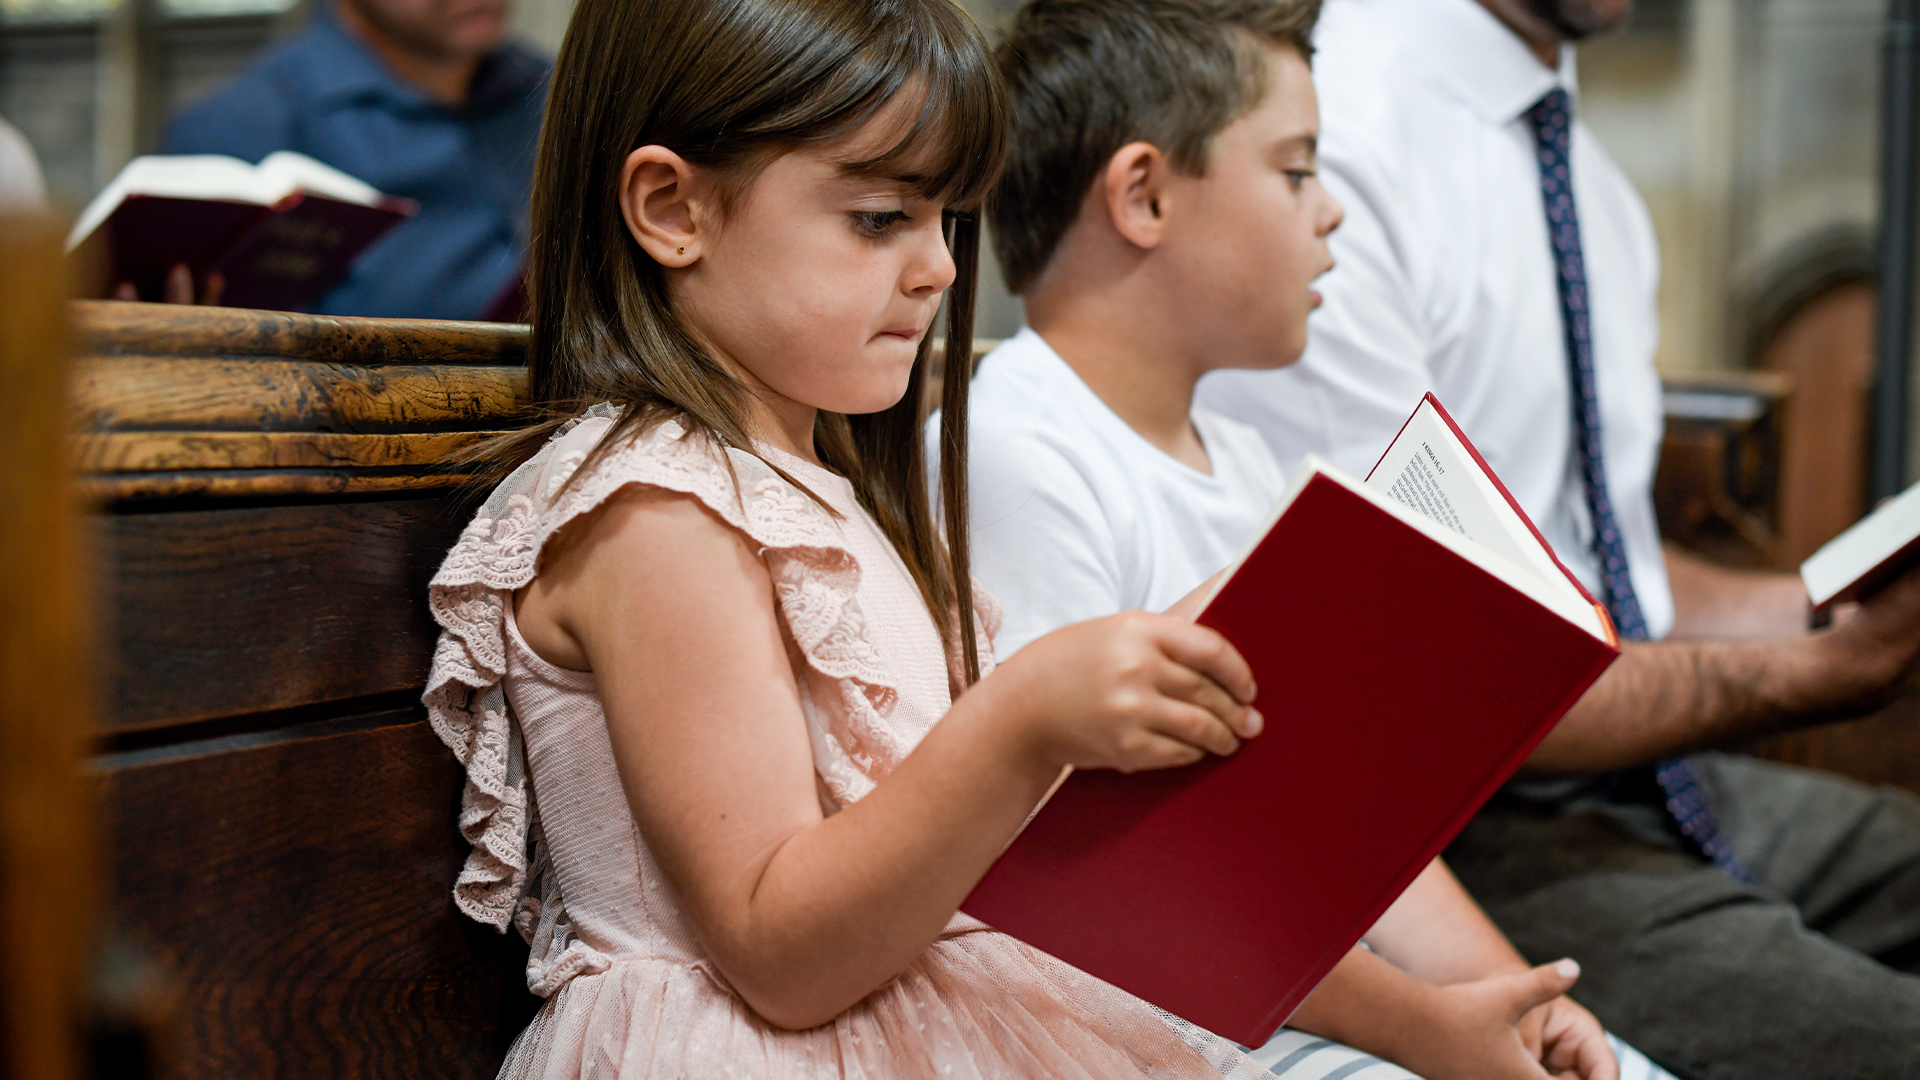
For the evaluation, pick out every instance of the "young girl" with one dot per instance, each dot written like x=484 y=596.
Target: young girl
x=734 y=753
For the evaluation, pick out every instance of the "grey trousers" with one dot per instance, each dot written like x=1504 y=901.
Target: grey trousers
x=1811 y=974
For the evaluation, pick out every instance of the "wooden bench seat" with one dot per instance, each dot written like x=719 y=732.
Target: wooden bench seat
x=273 y=493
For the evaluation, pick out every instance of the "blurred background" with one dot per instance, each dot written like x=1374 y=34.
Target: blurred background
x=1750 y=127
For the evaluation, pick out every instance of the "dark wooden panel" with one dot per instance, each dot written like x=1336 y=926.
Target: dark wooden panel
x=268 y=483
x=107 y=327
x=215 y=612
x=296 y=896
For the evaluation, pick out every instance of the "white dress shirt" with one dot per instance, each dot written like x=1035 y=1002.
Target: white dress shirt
x=1445 y=279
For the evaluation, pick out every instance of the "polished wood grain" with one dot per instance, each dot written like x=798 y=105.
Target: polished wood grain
x=107 y=327
x=165 y=451
x=161 y=393
x=225 y=610
x=46 y=852
x=296 y=888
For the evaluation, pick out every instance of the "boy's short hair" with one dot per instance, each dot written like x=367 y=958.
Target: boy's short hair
x=1086 y=77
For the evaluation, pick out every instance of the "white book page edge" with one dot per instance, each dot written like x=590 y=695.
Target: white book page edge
x=214 y=177
x=1484 y=514
x=1865 y=545
x=1572 y=608
x=299 y=171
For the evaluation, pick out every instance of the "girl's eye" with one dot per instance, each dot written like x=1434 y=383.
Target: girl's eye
x=1297 y=177
x=878 y=222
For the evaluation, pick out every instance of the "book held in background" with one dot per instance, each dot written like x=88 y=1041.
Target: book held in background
x=279 y=234
x=1868 y=555
x=1414 y=638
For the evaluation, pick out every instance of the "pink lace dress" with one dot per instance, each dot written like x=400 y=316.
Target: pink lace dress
x=630 y=992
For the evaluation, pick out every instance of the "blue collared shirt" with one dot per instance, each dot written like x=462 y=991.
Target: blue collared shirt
x=470 y=167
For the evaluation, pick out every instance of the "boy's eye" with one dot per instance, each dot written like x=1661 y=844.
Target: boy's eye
x=878 y=222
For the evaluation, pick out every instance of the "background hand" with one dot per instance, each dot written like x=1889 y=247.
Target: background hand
x=1873 y=652
x=179 y=288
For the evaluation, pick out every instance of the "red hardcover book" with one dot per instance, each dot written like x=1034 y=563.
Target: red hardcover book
x=280 y=234
x=1413 y=639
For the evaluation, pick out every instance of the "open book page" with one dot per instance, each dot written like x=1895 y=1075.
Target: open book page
x=218 y=178
x=180 y=176
x=1428 y=470
x=1554 y=593
x=1856 y=553
x=296 y=171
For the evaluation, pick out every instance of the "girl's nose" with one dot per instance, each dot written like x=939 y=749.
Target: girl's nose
x=932 y=269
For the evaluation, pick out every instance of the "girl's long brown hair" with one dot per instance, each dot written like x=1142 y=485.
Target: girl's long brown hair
x=728 y=85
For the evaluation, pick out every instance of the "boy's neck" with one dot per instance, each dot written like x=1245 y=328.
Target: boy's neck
x=1138 y=376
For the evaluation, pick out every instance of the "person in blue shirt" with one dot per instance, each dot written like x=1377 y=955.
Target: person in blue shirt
x=420 y=98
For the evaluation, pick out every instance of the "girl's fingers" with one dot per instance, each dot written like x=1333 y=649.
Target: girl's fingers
x=1160 y=752
x=1206 y=652
x=1196 y=727
x=1187 y=685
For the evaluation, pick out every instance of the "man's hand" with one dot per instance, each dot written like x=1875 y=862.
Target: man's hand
x=1665 y=698
x=1873 y=652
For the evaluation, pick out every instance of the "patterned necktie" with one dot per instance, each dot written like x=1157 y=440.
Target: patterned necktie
x=1552 y=119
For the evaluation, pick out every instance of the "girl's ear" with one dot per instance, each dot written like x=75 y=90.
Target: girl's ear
x=1135 y=186
x=668 y=205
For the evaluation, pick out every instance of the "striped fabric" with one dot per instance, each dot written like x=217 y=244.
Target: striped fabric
x=1296 y=1055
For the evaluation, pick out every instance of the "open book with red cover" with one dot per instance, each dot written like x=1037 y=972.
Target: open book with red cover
x=279 y=234
x=1414 y=638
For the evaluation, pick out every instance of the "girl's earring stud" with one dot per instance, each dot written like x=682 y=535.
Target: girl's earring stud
x=681 y=251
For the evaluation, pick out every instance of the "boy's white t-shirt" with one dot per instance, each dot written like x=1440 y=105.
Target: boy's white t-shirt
x=1076 y=516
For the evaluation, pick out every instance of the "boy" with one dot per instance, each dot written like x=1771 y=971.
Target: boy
x=1160 y=215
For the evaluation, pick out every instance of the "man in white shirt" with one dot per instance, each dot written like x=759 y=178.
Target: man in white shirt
x=1468 y=266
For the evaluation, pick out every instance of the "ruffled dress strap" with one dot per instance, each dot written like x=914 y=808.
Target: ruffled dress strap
x=815 y=581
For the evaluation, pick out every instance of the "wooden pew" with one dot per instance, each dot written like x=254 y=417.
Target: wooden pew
x=273 y=493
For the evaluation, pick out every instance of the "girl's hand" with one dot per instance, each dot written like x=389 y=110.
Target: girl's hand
x=1514 y=1027
x=1131 y=691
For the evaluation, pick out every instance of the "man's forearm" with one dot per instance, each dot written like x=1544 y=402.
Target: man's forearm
x=1673 y=697
x=1665 y=698
x=1714 y=603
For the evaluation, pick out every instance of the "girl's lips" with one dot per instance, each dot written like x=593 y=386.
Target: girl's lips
x=1313 y=298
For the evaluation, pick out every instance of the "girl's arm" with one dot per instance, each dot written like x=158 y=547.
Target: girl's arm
x=805 y=914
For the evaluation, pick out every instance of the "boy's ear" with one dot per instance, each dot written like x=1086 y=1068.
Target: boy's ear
x=1135 y=187
x=668 y=205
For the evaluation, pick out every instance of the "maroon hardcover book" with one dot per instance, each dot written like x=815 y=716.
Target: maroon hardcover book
x=1403 y=676
x=282 y=257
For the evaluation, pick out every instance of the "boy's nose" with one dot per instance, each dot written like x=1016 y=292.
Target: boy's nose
x=1333 y=216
